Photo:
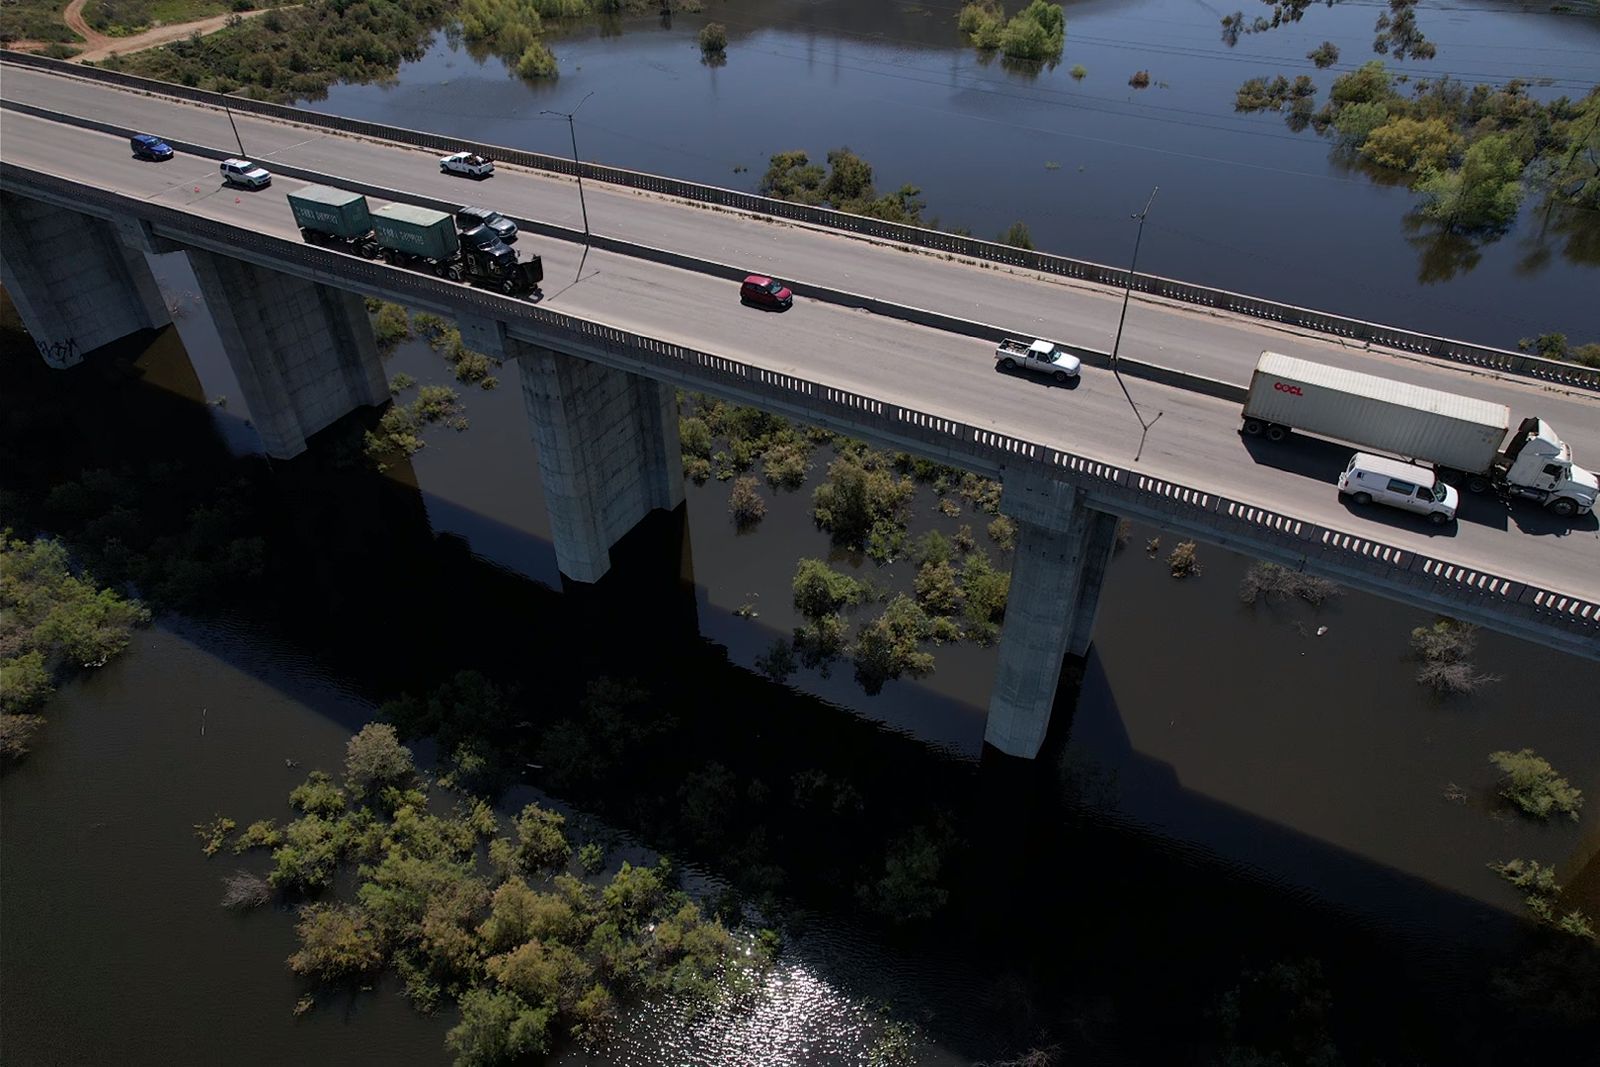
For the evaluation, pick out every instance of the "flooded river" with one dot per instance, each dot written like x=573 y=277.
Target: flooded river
x=1227 y=788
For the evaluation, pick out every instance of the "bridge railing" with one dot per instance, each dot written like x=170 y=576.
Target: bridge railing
x=1106 y=482
x=1487 y=357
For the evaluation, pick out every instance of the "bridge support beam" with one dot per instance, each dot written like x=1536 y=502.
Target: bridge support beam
x=76 y=285
x=1060 y=561
x=304 y=353
x=608 y=452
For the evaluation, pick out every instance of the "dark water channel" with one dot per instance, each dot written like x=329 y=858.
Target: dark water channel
x=1245 y=204
x=1224 y=788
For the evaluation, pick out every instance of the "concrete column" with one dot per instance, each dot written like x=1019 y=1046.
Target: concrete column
x=1053 y=541
x=76 y=285
x=608 y=452
x=1102 y=541
x=304 y=352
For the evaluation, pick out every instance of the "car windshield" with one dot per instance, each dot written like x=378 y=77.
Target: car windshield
x=1438 y=493
x=774 y=287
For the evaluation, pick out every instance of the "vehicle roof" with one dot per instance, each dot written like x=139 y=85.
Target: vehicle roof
x=324 y=194
x=757 y=279
x=240 y=163
x=1394 y=468
x=147 y=138
x=415 y=214
x=1042 y=346
x=1373 y=387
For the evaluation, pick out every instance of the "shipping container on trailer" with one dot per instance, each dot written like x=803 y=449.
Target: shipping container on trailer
x=334 y=211
x=1452 y=431
x=416 y=231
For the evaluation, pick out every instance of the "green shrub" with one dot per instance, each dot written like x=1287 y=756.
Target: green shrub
x=1184 y=560
x=337 y=943
x=390 y=325
x=887 y=647
x=713 y=39
x=819 y=590
x=375 y=760
x=909 y=888
x=936 y=587
x=1534 y=786
x=498 y=1028
x=1017 y=236
x=317 y=795
x=745 y=503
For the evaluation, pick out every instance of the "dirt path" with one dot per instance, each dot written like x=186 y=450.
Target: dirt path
x=98 y=46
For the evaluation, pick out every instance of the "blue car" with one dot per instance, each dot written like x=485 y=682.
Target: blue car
x=147 y=147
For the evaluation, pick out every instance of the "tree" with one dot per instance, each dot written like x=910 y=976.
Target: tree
x=1407 y=144
x=541 y=844
x=886 y=647
x=1534 y=786
x=1484 y=193
x=713 y=39
x=375 y=759
x=1369 y=83
x=745 y=503
x=1017 y=236
x=1355 y=122
x=497 y=1028
x=820 y=590
x=337 y=943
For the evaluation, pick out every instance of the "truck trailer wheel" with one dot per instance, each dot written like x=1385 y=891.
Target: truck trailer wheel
x=1277 y=433
x=1477 y=483
x=1253 y=427
x=1564 y=507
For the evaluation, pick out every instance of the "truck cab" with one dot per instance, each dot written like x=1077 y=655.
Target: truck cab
x=1538 y=465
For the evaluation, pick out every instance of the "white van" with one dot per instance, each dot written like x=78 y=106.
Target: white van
x=1375 y=479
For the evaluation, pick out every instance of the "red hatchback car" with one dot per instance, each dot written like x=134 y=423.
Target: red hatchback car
x=765 y=292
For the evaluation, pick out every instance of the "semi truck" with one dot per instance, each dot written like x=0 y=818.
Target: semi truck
x=408 y=236
x=1469 y=441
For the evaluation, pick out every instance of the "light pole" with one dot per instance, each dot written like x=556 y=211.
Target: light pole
x=1116 y=345
x=576 y=166
x=229 y=112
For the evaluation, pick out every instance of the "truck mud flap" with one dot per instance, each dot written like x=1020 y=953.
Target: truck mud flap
x=533 y=271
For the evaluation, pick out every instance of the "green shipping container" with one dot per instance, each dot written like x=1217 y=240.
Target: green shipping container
x=418 y=231
x=335 y=211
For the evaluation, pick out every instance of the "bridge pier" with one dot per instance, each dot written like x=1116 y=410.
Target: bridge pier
x=304 y=353
x=75 y=283
x=1063 y=548
x=608 y=451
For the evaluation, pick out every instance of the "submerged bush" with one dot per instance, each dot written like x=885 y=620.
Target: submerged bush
x=1533 y=785
x=713 y=39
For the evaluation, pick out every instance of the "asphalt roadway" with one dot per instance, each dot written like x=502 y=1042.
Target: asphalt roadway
x=1195 y=441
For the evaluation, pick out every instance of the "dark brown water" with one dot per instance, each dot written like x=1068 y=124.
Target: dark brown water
x=1224 y=787
x=1245 y=204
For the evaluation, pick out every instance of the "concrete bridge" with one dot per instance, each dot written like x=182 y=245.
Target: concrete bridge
x=598 y=386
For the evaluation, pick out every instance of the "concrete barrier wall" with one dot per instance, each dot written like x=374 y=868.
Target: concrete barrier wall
x=1504 y=360
x=1547 y=614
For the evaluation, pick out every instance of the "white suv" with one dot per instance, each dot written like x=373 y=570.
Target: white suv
x=243 y=172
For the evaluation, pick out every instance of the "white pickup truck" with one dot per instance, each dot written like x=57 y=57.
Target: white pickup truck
x=1040 y=357
x=469 y=164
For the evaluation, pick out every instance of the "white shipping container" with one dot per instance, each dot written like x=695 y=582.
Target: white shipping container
x=1377 y=413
